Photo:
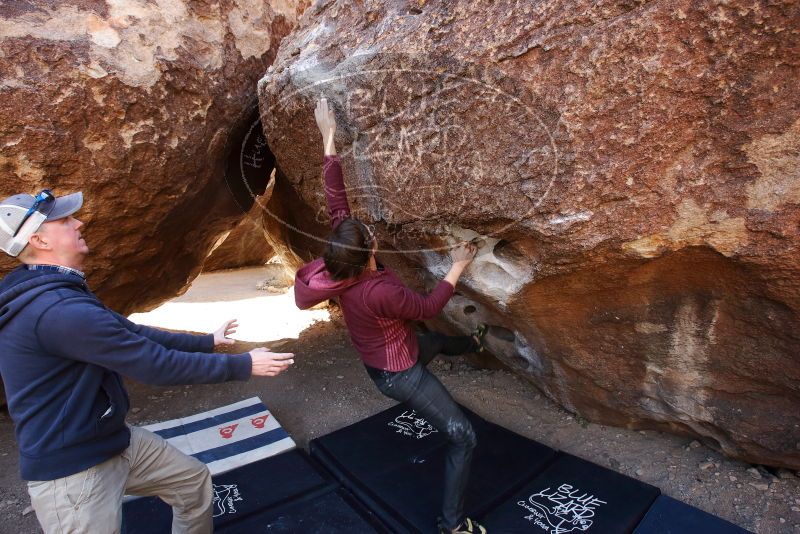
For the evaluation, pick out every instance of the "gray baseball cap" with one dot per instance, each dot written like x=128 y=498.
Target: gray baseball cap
x=22 y=215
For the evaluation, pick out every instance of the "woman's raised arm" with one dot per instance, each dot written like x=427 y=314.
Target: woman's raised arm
x=335 y=192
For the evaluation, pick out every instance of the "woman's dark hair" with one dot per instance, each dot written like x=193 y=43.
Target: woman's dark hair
x=349 y=249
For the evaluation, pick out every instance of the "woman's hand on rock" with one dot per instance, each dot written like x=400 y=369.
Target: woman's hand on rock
x=326 y=122
x=463 y=254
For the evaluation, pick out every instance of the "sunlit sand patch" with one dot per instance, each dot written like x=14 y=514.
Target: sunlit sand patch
x=217 y=297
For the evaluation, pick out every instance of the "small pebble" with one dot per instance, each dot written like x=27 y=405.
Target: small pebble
x=706 y=465
x=753 y=472
x=732 y=478
x=639 y=472
x=136 y=410
x=763 y=486
x=694 y=444
x=27 y=510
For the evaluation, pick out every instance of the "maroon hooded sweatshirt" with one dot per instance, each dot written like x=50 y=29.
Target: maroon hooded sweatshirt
x=377 y=307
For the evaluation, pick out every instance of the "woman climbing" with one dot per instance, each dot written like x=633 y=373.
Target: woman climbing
x=378 y=310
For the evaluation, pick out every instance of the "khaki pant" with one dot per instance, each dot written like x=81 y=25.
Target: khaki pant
x=91 y=501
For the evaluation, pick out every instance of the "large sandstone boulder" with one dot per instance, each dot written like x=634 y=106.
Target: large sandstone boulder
x=631 y=171
x=246 y=245
x=140 y=105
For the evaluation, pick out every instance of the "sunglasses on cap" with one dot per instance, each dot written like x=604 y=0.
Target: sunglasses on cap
x=45 y=199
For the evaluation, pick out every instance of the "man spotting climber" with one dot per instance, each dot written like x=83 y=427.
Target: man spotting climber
x=61 y=356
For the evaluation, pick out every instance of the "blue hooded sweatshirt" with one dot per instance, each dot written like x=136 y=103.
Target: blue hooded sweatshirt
x=61 y=355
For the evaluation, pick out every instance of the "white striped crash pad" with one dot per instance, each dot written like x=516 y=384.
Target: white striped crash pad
x=227 y=437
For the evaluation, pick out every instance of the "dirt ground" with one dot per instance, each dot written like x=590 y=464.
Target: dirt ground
x=327 y=388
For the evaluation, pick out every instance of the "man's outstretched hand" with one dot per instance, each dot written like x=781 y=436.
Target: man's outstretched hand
x=221 y=334
x=266 y=363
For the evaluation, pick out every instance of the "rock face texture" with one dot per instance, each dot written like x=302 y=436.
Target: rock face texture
x=631 y=171
x=244 y=246
x=140 y=105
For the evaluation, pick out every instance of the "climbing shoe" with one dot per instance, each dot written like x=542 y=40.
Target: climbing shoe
x=478 y=334
x=468 y=526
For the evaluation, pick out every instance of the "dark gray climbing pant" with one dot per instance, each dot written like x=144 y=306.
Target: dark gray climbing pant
x=421 y=391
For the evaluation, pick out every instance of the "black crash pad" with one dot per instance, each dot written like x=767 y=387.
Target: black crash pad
x=377 y=444
x=670 y=516
x=573 y=495
x=394 y=463
x=259 y=486
x=333 y=512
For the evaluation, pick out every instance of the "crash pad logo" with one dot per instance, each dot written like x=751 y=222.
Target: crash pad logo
x=225 y=498
x=411 y=425
x=227 y=431
x=259 y=422
x=562 y=510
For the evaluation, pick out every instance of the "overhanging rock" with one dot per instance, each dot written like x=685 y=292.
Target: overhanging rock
x=630 y=170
